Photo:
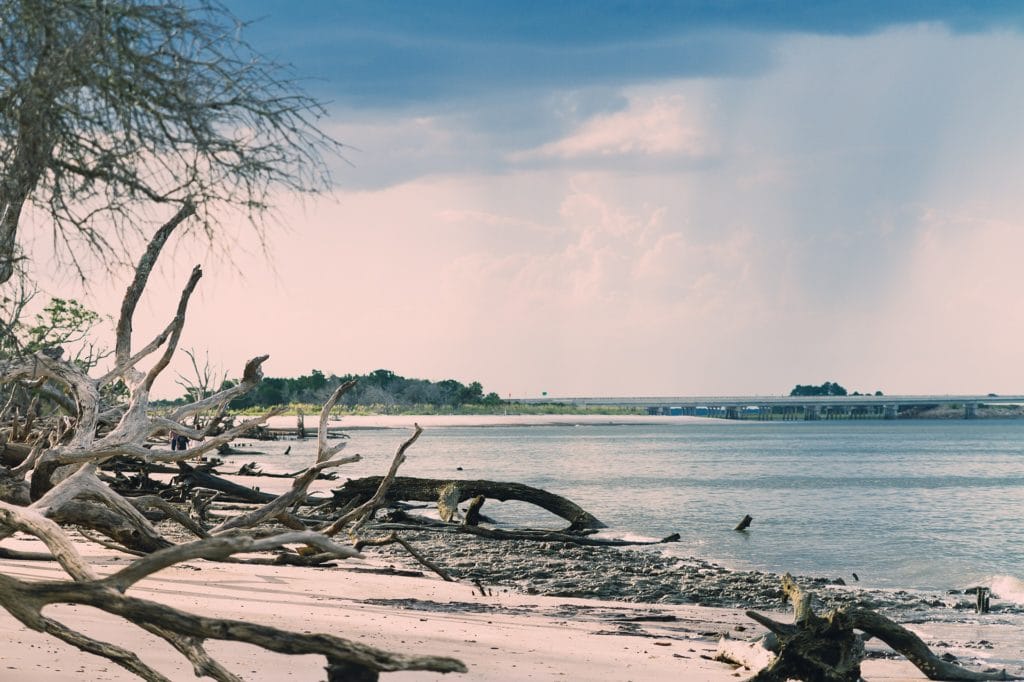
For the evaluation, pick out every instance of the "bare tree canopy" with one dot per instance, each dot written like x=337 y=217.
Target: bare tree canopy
x=108 y=107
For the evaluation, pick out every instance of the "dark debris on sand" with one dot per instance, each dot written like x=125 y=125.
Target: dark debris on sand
x=643 y=576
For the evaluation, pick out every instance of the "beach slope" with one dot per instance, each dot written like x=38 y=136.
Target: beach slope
x=500 y=636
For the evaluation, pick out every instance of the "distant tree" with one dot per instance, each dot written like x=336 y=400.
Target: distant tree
x=825 y=389
x=473 y=393
x=452 y=392
x=420 y=392
x=270 y=391
x=835 y=389
x=381 y=378
x=317 y=380
x=110 y=108
x=204 y=380
x=375 y=395
x=380 y=387
x=309 y=388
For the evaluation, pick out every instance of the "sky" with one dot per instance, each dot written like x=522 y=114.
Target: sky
x=639 y=198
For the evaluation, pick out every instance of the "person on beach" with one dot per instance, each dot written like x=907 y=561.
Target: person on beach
x=174 y=440
x=182 y=442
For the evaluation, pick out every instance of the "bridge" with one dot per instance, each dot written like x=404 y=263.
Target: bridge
x=787 y=407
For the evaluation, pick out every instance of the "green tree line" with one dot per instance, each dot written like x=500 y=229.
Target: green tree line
x=379 y=387
x=827 y=388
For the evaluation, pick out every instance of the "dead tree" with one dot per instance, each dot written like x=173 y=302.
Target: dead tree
x=829 y=649
x=107 y=110
x=66 y=489
x=184 y=631
x=450 y=492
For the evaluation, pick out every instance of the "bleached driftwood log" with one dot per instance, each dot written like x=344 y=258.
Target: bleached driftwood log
x=63 y=468
x=185 y=631
x=324 y=460
x=828 y=649
x=750 y=655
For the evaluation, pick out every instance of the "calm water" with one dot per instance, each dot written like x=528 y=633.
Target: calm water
x=910 y=504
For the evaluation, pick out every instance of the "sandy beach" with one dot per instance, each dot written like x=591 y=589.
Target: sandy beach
x=551 y=611
x=500 y=636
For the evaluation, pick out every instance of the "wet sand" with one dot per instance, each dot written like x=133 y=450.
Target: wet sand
x=507 y=634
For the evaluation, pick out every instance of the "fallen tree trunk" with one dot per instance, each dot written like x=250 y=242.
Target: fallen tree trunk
x=750 y=655
x=402 y=521
x=916 y=651
x=66 y=488
x=13 y=454
x=407 y=488
x=115 y=526
x=187 y=632
x=197 y=478
x=826 y=649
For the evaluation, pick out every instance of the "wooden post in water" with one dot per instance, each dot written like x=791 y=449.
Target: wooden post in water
x=300 y=425
x=983 y=600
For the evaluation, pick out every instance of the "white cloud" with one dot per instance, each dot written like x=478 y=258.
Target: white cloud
x=854 y=217
x=651 y=125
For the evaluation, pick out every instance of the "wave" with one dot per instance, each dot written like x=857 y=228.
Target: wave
x=1008 y=588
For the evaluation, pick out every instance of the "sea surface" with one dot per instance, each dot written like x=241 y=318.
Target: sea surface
x=910 y=504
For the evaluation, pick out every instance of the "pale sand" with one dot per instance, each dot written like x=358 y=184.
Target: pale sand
x=499 y=637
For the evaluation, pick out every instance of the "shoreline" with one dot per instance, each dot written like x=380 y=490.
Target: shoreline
x=550 y=611
x=717 y=543
x=500 y=636
x=403 y=421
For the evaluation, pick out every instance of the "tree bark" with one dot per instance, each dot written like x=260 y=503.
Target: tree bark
x=826 y=649
x=473 y=512
x=115 y=526
x=197 y=478
x=67 y=489
x=407 y=488
x=13 y=454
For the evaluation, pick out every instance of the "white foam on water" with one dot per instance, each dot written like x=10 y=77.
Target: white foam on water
x=1008 y=588
x=628 y=537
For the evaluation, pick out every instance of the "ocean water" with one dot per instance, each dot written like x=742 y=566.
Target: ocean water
x=903 y=504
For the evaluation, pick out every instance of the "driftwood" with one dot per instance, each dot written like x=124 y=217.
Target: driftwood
x=827 y=649
x=399 y=520
x=64 y=462
x=191 y=477
x=354 y=519
x=195 y=477
x=277 y=507
x=406 y=488
x=473 y=515
x=393 y=538
x=253 y=469
x=750 y=655
x=13 y=454
x=187 y=632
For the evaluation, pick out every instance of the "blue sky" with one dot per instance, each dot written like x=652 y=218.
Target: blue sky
x=388 y=54
x=646 y=198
